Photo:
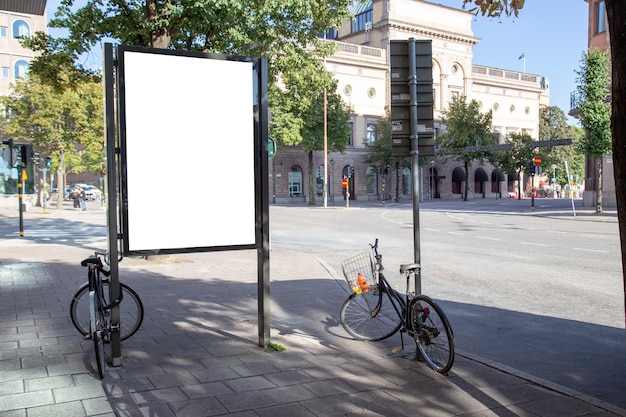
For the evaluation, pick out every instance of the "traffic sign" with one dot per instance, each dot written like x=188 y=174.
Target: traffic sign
x=537 y=160
x=271 y=148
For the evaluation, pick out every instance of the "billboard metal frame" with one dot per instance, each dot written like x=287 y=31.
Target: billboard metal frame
x=251 y=233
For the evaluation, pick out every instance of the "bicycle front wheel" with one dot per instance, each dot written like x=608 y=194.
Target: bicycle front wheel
x=97 y=332
x=370 y=316
x=432 y=332
x=131 y=310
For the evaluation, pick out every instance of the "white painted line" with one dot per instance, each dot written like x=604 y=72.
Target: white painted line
x=591 y=250
x=487 y=238
x=534 y=244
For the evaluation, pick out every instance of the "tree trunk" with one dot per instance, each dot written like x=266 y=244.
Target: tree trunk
x=599 y=174
x=60 y=182
x=519 y=185
x=159 y=36
x=466 y=181
x=616 y=13
x=311 y=180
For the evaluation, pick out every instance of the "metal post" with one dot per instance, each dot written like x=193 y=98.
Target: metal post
x=45 y=194
x=414 y=158
x=111 y=170
x=325 y=179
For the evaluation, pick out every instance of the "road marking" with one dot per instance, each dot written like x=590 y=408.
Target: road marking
x=591 y=250
x=432 y=230
x=487 y=238
x=456 y=233
x=534 y=244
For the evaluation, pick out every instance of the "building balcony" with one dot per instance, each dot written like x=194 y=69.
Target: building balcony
x=574 y=101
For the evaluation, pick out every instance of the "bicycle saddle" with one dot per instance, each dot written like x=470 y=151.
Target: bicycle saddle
x=92 y=260
x=409 y=267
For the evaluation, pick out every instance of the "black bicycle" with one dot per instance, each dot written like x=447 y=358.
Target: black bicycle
x=90 y=308
x=375 y=311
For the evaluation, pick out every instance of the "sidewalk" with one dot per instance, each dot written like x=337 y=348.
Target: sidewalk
x=197 y=355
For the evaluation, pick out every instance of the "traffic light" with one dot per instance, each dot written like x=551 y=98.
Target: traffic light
x=36 y=156
x=25 y=153
x=48 y=162
x=103 y=172
x=350 y=171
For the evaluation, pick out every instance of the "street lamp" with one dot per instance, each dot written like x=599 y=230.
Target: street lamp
x=430 y=185
x=553 y=181
x=332 y=184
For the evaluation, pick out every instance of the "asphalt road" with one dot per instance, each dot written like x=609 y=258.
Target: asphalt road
x=540 y=291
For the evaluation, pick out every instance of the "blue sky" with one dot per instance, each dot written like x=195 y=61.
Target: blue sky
x=551 y=33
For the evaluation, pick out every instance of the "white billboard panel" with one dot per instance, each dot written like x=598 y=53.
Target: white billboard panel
x=188 y=148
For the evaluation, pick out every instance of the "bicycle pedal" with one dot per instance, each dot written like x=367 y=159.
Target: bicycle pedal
x=398 y=349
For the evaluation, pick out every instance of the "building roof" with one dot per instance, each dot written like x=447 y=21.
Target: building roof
x=357 y=7
x=35 y=7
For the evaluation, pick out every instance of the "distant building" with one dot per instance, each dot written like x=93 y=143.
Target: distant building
x=361 y=67
x=17 y=18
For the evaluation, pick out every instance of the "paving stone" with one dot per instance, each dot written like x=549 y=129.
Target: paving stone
x=50 y=382
x=249 y=383
x=198 y=407
x=285 y=410
x=71 y=409
x=209 y=389
x=249 y=400
x=25 y=400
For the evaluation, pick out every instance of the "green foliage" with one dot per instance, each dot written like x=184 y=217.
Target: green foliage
x=67 y=124
x=516 y=159
x=275 y=347
x=467 y=134
x=285 y=31
x=338 y=123
x=379 y=151
x=595 y=109
x=495 y=8
x=312 y=129
x=467 y=131
x=553 y=125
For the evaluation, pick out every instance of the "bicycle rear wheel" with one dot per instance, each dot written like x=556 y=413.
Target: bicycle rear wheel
x=432 y=332
x=131 y=310
x=370 y=316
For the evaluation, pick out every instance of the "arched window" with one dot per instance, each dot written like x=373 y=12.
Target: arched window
x=370 y=133
x=295 y=181
x=20 y=28
x=406 y=181
x=20 y=69
x=371 y=181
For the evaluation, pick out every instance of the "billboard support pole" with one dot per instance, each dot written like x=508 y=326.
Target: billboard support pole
x=111 y=159
x=414 y=160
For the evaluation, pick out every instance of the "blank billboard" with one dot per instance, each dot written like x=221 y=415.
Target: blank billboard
x=188 y=151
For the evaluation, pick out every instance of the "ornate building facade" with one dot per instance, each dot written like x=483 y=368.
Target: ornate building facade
x=361 y=67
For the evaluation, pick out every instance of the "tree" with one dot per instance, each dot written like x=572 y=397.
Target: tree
x=553 y=125
x=312 y=130
x=595 y=111
x=379 y=152
x=285 y=31
x=616 y=17
x=517 y=158
x=67 y=124
x=467 y=133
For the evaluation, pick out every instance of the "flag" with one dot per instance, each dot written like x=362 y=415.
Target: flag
x=522 y=56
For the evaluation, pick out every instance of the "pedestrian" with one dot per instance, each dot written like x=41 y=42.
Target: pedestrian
x=83 y=199
x=76 y=198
